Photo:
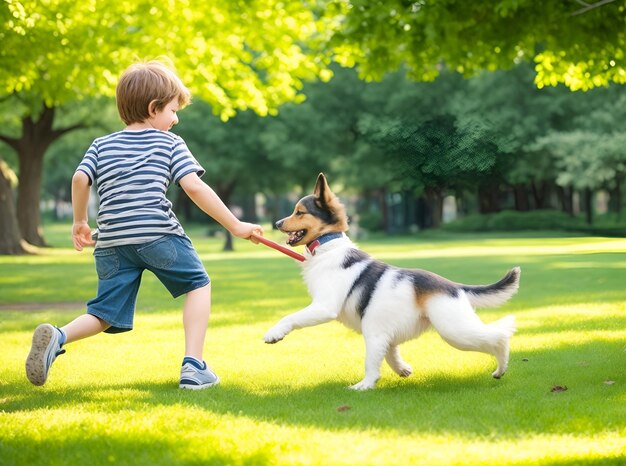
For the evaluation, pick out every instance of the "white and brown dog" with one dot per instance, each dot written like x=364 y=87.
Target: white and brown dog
x=388 y=305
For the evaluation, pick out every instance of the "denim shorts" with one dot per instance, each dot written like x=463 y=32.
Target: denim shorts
x=171 y=258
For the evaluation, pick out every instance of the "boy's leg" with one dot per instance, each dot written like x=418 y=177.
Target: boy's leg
x=177 y=265
x=48 y=341
x=196 y=320
x=195 y=374
x=84 y=326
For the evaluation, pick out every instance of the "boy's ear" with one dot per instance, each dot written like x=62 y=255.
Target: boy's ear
x=322 y=190
x=152 y=108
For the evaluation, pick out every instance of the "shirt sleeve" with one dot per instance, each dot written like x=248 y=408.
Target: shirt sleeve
x=89 y=163
x=183 y=162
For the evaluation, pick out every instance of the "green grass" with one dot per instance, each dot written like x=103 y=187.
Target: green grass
x=112 y=399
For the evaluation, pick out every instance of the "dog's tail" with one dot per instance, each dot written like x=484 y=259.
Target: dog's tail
x=495 y=294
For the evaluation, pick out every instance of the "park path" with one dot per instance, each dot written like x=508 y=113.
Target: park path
x=38 y=306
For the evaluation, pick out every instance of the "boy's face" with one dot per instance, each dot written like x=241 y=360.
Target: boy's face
x=166 y=118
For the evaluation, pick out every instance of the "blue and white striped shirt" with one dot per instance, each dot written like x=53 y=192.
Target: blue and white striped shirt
x=133 y=170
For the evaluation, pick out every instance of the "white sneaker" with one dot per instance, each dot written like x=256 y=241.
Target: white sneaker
x=194 y=377
x=43 y=352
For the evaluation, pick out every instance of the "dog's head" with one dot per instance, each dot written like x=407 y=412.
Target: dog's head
x=314 y=215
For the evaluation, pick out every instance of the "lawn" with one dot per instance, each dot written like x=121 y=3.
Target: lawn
x=113 y=399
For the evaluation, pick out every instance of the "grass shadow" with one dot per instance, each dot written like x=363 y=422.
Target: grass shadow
x=433 y=403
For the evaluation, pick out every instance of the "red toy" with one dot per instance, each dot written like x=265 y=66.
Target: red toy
x=279 y=247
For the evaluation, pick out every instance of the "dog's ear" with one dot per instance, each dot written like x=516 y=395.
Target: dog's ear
x=322 y=190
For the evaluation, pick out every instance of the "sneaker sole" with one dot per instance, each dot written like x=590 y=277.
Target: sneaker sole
x=198 y=387
x=35 y=362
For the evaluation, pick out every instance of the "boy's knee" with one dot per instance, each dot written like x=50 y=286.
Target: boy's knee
x=203 y=290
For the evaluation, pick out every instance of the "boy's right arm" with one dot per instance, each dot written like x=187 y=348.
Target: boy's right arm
x=204 y=197
x=81 y=233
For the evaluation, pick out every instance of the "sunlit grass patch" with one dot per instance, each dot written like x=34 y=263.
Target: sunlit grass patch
x=113 y=399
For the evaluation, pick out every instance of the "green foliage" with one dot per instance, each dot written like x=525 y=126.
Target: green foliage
x=234 y=55
x=435 y=153
x=589 y=152
x=399 y=134
x=537 y=220
x=581 y=47
x=515 y=221
x=229 y=152
x=256 y=55
x=371 y=221
x=583 y=159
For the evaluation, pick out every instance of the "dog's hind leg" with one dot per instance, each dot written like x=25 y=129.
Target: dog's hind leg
x=457 y=323
x=506 y=327
x=376 y=347
x=396 y=362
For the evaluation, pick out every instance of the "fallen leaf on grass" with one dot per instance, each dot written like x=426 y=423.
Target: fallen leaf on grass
x=558 y=388
x=343 y=408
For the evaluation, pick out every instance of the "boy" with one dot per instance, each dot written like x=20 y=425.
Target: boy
x=137 y=229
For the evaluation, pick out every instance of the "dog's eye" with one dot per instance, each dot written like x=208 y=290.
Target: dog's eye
x=299 y=213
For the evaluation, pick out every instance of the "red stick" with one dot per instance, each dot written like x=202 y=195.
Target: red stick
x=279 y=247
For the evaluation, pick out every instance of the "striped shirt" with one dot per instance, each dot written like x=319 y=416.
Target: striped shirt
x=132 y=170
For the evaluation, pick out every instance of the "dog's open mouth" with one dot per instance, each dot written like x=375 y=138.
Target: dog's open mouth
x=295 y=237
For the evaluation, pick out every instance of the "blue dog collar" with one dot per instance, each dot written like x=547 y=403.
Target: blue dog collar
x=322 y=240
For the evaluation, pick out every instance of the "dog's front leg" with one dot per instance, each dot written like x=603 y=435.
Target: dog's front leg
x=313 y=314
x=375 y=350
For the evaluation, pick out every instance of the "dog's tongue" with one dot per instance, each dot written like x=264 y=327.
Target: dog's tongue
x=292 y=237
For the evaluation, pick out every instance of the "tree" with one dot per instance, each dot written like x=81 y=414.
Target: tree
x=31 y=146
x=10 y=238
x=603 y=112
x=587 y=162
x=514 y=113
x=433 y=155
x=317 y=135
x=570 y=43
x=234 y=55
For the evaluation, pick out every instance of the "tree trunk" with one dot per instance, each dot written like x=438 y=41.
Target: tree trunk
x=615 y=200
x=383 y=205
x=29 y=194
x=10 y=238
x=31 y=147
x=435 y=203
x=488 y=199
x=566 y=195
x=423 y=215
x=224 y=192
x=520 y=192
x=37 y=135
x=539 y=191
x=588 y=200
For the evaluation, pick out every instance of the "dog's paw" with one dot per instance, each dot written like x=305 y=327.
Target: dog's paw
x=363 y=385
x=274 y=335
x=404 y=370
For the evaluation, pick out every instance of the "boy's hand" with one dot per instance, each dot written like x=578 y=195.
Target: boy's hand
x=81 y=235
x=245 y=230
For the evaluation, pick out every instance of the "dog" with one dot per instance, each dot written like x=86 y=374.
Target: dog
x=386 y=304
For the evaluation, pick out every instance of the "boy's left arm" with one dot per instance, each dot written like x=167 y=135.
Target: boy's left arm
x=81 y=233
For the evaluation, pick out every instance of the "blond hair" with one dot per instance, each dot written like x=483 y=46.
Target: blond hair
x=148 y=84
